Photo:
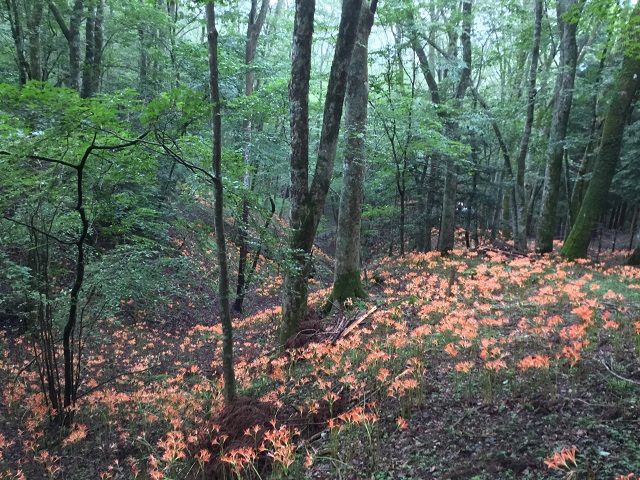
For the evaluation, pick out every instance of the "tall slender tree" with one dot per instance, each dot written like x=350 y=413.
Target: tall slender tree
x=94 y=43
x=520 y=207
x=448 y=221
x=346 y=283
x=254 y=27
x=71 y=32
x=223 y=281
x=568 y=16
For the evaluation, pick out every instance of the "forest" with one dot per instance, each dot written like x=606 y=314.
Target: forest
x=337 y=239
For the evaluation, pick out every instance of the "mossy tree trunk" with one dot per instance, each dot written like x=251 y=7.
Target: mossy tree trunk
x=347 y=282
x=94 y=44
x=589 y=156
x=608 y=155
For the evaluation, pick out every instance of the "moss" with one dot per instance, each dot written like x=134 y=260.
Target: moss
x=347 y=285
x=634 y=259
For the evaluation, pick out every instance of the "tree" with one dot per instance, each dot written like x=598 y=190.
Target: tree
x=59 y=220
x=71 y=33
x=254 y=27
x=346 y=282
x=28 y=48
x=628 y=83
x=520 y=207
x=307 y=201
x=223 y=283
x=94 y=39
x=588 y=158
x=568 y=16
x=447 y=221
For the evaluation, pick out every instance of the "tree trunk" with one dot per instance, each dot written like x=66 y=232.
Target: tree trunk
x=520 y=224
x=431 y=198
x=87 y=70
x=608 y=155
x=346 y=283
x=423 y=211
x=446 y=236
x=448 y=221
x=589 y=156
x=34 y=21
x=634 y=224
x=223 y=282
x=18 y=39
x=307 y=202
x=497 y=212
x=560 y=120
x=72 y=35
x=94 y=32
x=143 y=64
x=403 y=203
x=254 y=27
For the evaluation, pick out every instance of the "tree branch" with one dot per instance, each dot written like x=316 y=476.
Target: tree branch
x=41 y=232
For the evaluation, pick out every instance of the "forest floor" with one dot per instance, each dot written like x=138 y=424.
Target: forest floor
x=480 y=365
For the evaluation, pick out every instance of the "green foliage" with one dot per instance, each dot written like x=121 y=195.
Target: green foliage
x=137 y=275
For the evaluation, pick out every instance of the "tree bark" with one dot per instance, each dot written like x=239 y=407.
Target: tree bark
x=223 y=281
x=589 y=156
x=446 y=238
x=346 y=283
x=608 y=155
x=520 y=222
x=143 y=64
x=307 y=202
x=254 y=27
x=427 y=72
x=34 y=21
x=72 y=35
x=94 y=34
x=560 y=120
x=18 y=39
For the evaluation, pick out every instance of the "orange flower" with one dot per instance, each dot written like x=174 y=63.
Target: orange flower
x=402 y=423
x=495 y=365
x=535 y=361
x=451 y=350
x=464 y=367
x=559 y=459
x=308 y=460
x=203 y=456
x=383 y=375
x=79 y=433
x=584 y=312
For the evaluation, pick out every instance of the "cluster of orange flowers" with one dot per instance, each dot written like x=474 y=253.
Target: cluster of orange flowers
x=472 y=319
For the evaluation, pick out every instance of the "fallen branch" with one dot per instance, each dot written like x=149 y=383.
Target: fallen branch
x=620 y=377
x=344 y=332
